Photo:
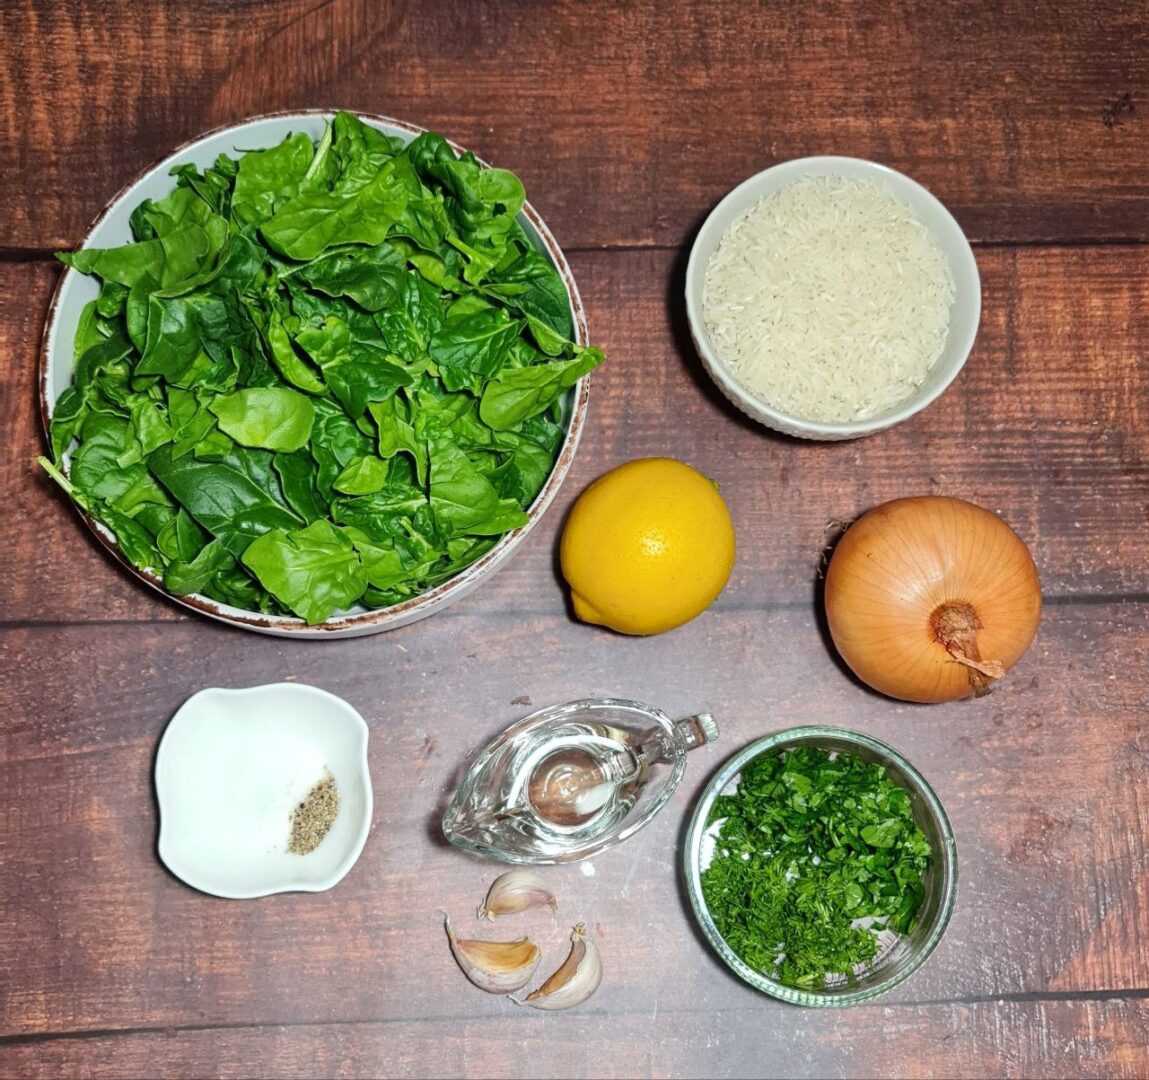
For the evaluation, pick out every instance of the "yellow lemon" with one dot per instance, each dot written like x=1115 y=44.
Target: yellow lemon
x=648 y=546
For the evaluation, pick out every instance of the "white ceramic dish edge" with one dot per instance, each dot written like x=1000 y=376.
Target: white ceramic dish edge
x=202 y=151
x=170 y=854
x=965 y=317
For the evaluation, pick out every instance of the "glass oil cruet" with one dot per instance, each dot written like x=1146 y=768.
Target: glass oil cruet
x=572 y=780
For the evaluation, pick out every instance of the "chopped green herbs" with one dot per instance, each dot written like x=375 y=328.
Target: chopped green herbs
x=324 y=374
x=815 y=849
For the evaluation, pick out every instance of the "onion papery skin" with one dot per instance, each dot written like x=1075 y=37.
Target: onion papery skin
x=903 y=564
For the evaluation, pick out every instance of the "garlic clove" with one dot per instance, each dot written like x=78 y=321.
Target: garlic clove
x=499 y=967
x=575 y=981
x=515 y=891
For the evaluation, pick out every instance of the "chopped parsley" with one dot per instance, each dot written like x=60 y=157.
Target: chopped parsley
x=816 y=855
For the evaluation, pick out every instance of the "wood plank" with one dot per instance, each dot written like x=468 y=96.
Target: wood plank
x=1044 y=781
x=1048 y=425
x=760 y=1038
x=54 y=568
x=627 y=122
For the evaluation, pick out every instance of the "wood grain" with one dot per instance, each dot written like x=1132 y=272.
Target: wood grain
x=1023 y=1039
x=627 y=123
x=54 y=567
x=1059 y=354
x=1044 y=782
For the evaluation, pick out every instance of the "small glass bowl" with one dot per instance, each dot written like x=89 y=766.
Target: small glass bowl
x=904 y=955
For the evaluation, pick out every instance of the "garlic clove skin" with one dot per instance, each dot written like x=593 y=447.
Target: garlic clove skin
x=498 y=967
x=515 y=891
x=575 y=981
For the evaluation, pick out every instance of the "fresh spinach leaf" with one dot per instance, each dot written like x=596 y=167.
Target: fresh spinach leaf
x=396 y=435
x=213 y=185
x=189 y=420
x=221 y=498
x=268 y=178
x=99 y=358
x=236 y=586
x=181 y=537
x=185 y=576
x=270 y=417
x=290 y=364
x=134 y=540
x=113 y=296
x=364 y=476
x=522 y=476
x=308 y=224
x=298 y=475
x=175 y=332
x=359 y=152
x=147 y=430
x=88 y=329
x=356 y=371
x=214 y=445
x=520 y=393
x=409 y=324
x=313 y=571
x=470 y=350
x=465 y=501
x=66 y=418
x=166 y=260
x=461 y=552
x=335 y=443
x=373 y=277
x=95 y=467
x=531 y=285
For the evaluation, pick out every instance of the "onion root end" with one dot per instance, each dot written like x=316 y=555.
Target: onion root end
x=955 y=625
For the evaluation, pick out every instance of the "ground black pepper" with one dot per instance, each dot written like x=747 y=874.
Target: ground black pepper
x=312 y=819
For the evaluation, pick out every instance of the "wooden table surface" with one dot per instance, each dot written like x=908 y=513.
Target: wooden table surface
x=627 y=122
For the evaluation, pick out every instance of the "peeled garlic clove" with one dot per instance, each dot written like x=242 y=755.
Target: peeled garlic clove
x=575 y=981
x=499 y=967
x=515 y=891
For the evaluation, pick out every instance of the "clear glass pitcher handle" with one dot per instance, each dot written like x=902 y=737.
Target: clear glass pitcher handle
x=693 y=731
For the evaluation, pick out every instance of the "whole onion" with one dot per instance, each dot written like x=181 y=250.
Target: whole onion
x=931 y=598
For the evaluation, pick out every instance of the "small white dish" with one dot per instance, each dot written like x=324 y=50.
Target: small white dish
x=964 y=315
x=232 y=766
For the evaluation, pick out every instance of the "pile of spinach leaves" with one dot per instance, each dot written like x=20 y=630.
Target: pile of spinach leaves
x=323 y=375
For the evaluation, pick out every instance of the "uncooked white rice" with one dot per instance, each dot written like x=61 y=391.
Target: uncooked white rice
x=828 y=300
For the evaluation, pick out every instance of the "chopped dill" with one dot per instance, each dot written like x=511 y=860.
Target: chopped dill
x=816 y=855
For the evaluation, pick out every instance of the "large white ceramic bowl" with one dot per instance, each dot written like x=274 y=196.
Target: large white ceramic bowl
x=965 y=313
x=231 y=767
x=112 y=228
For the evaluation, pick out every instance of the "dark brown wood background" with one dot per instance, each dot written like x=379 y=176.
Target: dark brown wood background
x=1030 y=119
